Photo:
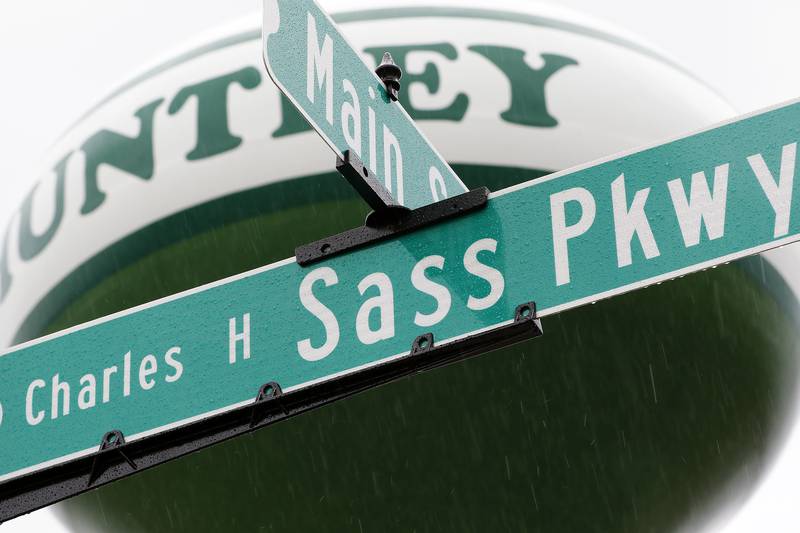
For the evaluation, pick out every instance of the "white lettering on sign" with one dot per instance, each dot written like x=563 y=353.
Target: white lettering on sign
x=172 y=362
x=62 y=392
x=438 y=292
x=382 y=149
x=373 y=135
x=234 y=338
x=563 y=233
x=375 y=320
x=319 y=78
x=493 y=276
x=778 y=193
x=107 y=373
x=319 y=67
x=304 y=347
x=126 y=374
x=436 y=181
x=147 y=368
x=702 y=205
x=351 y=114
x=33 y=419
x=631 y=221
x=391 y=151
x=705 y=205
x=383 y=303
x=87 y=397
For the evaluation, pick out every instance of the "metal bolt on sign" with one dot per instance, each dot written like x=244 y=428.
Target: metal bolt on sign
x=390 y=73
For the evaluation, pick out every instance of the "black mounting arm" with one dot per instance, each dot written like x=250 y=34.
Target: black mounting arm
x=389 y=219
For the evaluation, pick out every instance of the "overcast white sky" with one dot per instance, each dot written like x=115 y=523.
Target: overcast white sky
x=58 y=58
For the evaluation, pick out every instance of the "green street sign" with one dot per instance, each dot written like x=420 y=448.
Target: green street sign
x=562 y=241
x=325 y=78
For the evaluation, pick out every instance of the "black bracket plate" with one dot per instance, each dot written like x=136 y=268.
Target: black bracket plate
x=365 y=183
x=117 y=459
x=389 y=223
x=111 y=455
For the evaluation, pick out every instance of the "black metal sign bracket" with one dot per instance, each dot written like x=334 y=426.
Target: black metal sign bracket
x=388 y=219
x=264 y=408
x=366 y=184
x=525 y=325
x=111 y=455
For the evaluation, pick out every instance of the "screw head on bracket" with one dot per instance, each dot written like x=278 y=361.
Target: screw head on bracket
x=390 y=75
